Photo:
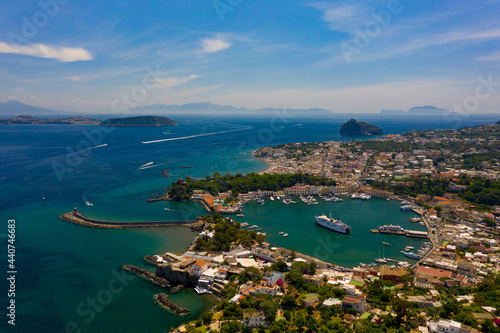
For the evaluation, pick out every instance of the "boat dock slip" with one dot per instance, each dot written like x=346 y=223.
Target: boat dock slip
x=392 y=232
x=78 y=218
x=416 y=234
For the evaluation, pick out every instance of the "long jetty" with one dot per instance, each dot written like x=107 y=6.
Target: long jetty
x=78 y=218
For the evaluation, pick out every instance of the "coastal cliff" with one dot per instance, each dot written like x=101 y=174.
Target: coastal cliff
x=359 y=128
x=176 y=277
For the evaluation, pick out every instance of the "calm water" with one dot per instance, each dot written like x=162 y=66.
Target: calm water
x=347 y=250
x=62 y=266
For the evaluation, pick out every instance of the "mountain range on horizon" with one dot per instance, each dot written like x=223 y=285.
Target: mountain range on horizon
x=16 y=108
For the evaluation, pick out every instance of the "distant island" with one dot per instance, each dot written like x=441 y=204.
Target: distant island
x=27 y=119
x=418 y=111
x=359 y=128
x=140 y=121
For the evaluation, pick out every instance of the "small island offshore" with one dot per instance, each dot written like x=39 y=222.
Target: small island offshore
x=359 y=128
x=139 y=121
x=449 y=177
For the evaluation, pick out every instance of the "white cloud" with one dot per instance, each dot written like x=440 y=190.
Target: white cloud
x=64 y=54
x=490 y=57
x=211 y=45
x=77 y=78
x=170 y=82
x=343 y=17
x=18 y=90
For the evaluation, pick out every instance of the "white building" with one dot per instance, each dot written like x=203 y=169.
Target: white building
x=448 y=326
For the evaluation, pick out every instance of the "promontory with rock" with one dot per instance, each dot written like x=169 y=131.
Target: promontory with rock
x=359 y=128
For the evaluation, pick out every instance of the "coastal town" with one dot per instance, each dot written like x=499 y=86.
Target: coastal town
x=451 y=285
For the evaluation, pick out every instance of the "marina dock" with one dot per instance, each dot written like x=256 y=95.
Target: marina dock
x=407 y=233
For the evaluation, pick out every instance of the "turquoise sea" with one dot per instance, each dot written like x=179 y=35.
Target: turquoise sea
x=68 y=277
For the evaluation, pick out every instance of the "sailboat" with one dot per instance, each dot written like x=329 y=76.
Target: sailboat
x=385 y=241
x=380 y=259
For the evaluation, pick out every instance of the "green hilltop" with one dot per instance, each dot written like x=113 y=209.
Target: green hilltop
x=140 y=121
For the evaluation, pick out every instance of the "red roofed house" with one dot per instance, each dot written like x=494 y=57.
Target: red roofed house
x=198 y=267
x=428 y=272
x=354 y=302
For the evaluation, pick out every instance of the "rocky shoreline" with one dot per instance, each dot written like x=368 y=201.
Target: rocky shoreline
x=162 y=282
x=164 y=301
x=149 y=260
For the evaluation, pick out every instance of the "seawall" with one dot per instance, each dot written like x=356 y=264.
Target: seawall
x=78 y=218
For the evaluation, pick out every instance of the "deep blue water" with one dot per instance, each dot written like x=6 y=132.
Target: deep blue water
x=60 y=264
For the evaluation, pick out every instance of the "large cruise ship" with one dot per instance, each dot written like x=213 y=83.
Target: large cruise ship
x=333 y=224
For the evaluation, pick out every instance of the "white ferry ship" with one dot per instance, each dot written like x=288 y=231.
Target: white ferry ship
x=333 y=224
x=391 y=228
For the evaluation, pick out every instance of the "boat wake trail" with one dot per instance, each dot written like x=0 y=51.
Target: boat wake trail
x=88 y=203
x=99 y=146
x=148 y=166
x=195 y=136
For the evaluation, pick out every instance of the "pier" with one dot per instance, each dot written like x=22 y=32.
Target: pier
x=434 y=240
x=407 y=233
x=78 y=218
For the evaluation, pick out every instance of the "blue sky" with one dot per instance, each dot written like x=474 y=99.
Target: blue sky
x=345 y=56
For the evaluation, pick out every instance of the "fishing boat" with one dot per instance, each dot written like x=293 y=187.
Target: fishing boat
x=240 y=215
x=385 y=243
x=281 y=232
x=285 y=235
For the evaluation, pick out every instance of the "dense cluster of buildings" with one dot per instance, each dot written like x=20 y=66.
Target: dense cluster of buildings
x=465 y=250
x=444 y=267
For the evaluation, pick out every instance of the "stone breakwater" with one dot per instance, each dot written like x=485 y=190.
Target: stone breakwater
x=149 y=260
x=78 y=218
x=160 y=281
x=165 y=302
x=177 y=289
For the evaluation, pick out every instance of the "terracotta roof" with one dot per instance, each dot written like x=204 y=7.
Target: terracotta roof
x=433 y=271
x=200 y=263
x=352 y=299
